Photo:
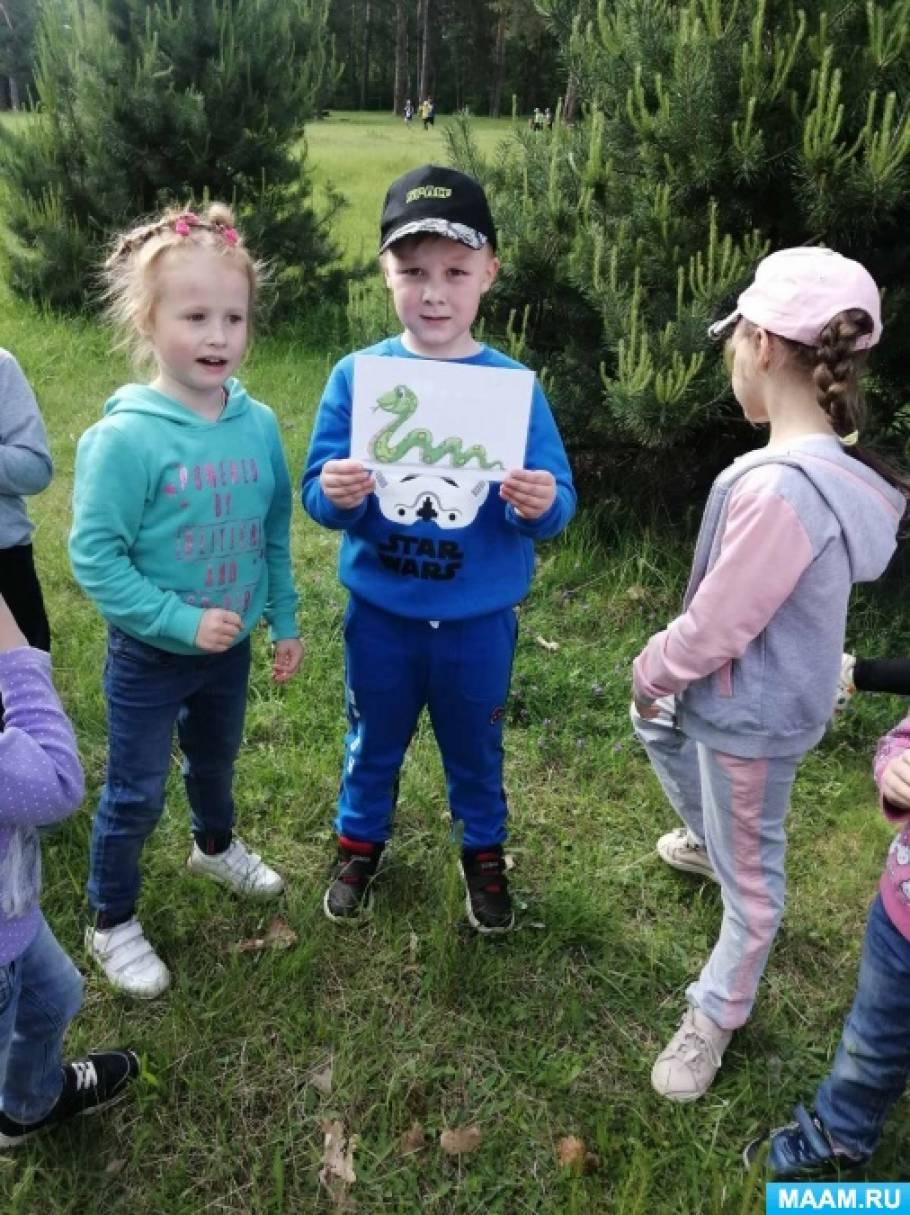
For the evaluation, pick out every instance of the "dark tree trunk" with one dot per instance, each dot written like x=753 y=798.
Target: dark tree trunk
x=499 y=66
x=424 y=88
x=401 y=57
x=365 y=65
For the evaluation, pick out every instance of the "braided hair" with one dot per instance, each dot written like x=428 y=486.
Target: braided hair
x=836 y=366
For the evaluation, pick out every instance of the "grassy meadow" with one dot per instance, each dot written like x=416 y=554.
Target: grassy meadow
x=547 y=1034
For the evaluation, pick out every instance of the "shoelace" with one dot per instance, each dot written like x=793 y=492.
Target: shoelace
x=489 y=870
x=349 y=873
x=695 y=1043
x=85 y=1075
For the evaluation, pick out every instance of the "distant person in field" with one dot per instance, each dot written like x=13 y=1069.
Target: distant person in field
x=731 y=696
x=428 y=113
x=872 y=1065
x=548 y=118
x=181 y=516
x=408 y=112
x=537 y=119
x=25 y=469
x=437 y=629
x=40 y=988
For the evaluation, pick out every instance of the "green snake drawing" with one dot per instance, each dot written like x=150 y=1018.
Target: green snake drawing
x=402 y=402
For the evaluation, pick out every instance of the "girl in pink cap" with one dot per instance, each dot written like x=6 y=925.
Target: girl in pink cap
x=734 y=692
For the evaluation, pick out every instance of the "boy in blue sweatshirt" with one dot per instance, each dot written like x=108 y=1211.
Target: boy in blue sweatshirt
x=434 y=567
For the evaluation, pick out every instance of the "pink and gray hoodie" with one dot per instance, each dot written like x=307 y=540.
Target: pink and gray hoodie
x=754 y=659
x=895 y=883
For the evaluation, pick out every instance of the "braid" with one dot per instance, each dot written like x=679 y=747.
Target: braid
x=836 y=373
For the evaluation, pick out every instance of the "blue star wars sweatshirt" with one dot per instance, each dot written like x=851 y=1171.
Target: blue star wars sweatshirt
x=423 y=545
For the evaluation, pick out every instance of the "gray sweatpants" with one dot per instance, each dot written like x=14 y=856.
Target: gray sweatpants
x=736 y=807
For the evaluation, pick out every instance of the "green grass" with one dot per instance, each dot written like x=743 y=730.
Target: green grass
x=549 y=1033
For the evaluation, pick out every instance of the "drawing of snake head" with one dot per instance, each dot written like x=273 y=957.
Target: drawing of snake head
x=423 y=498
x=399 y=400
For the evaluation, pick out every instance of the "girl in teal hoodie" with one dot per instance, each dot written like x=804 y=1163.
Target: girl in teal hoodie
x=181 y=518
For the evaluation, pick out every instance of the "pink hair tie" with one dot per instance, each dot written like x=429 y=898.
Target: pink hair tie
x=230 y=235
x=184 y=222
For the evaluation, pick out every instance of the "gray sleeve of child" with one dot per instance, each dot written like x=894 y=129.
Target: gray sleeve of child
x=25 y=460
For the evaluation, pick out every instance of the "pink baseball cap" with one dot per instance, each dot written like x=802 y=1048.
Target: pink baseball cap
x=796 y=293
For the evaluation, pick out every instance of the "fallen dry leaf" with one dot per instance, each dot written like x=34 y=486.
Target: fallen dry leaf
x=321 y=1077
x=460 y=1140
x=337 y=1172
x=278 y=935
x=115 y=1166
x=412 y=1140
x=571 y=1153
x=552 y=646
x=636 y=593
x=509 y=862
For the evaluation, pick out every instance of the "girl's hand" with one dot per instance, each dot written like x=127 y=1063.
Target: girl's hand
x=645 y=708
x=11 y=636
x=530 y=492
x=346 y=483
x=217 y=630
x=287 y=660
x=895 y=782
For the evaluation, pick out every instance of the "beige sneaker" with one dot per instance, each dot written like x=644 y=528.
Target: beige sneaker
x=846 y=688
x=682 y=850
x=686 y=1066
x=128 y=960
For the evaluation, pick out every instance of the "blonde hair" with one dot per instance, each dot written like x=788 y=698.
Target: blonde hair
x=130 y=271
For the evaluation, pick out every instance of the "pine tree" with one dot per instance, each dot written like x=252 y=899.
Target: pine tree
x=714 y=130
x=146 y=103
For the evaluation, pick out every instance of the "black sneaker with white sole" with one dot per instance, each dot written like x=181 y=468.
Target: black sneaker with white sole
x=89 y=1085
x=350 y=896
x=487 y=900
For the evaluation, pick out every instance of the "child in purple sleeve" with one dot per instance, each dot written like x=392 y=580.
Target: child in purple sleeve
x=40 y=988
x=872 y=1064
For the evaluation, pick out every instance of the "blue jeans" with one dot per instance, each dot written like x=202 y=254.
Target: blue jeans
x=872 y=1064
x=148 y=692
x=461 y=671
x=40 y=993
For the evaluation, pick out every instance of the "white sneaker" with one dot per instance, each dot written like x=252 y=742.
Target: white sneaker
x=242 y=871
x=682 y=850
x=688 y=1063
x=128 y=960
x=845 y=685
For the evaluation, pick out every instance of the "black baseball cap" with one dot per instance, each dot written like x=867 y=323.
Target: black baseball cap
x=435 y=199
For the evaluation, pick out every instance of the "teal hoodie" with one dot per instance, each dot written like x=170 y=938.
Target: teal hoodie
x=174 y=514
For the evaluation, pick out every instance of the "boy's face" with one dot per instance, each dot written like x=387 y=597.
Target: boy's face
x=436 y=285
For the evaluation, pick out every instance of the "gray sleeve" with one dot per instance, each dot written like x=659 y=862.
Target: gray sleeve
x=25 y=460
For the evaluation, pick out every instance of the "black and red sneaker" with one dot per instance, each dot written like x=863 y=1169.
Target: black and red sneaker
x=350 y=895
x=488 y=903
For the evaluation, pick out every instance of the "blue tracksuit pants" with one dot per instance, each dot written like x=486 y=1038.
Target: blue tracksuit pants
x=459 y=669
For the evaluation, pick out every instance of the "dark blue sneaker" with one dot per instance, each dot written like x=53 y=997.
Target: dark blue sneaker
x=801 y=1149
